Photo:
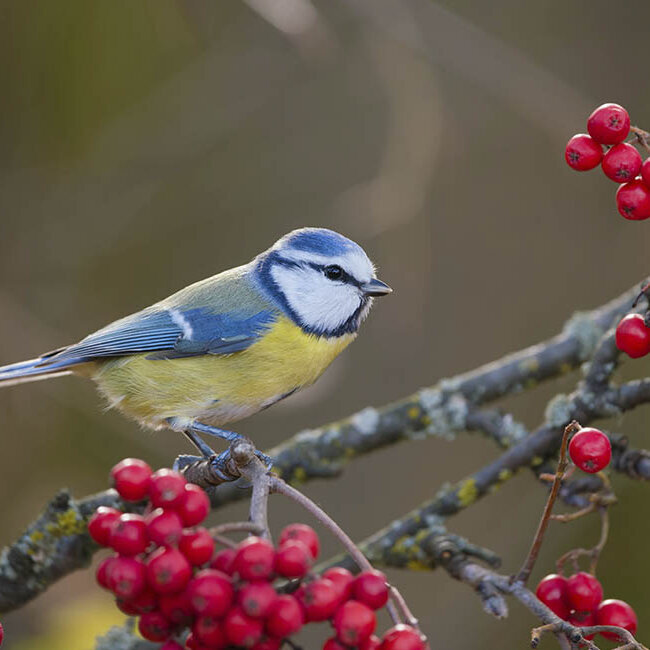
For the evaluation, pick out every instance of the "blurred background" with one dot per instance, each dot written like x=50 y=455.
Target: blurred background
x=146 y=145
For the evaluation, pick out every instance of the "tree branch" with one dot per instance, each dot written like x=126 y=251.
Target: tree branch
x=57 y=542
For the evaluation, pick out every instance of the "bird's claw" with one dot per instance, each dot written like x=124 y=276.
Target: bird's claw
x=221 y=466
x=185 y=460
x=267 y=460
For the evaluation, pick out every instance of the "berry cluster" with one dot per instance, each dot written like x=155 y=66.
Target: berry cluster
x=608 y=126
x=166 y=572
x=590 y=450
x=579 y=600
x=633 y=336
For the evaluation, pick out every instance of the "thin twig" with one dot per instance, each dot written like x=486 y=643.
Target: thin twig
x=529 y=563
x=593 y=553
x=407 y=614
x=250 y=467
x=219 y=532
x=237 y=527
x=278 y=486
x=641 y=136
x=567 y=517
x=630 y=643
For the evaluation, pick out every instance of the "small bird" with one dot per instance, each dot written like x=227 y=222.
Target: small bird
x=229 y=346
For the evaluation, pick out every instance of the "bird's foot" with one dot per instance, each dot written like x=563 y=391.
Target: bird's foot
x=211 y=470
x=185 y=460
x=222 y=466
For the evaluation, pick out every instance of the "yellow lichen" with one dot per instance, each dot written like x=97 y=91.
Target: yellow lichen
x=415 y=565
x=536 y=461
x=413 y=412
x=530 y=365
x=67 y=523
x=467 y=492
x=36 y=536
x=505 y=474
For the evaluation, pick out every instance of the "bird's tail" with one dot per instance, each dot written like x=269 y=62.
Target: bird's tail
x=32 y=370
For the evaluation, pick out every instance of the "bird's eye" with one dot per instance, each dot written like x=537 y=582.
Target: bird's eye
x=333 y=272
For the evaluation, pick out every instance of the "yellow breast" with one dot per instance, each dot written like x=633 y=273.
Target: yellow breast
x=218 y=388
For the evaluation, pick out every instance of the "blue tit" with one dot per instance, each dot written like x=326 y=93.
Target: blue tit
x=229 y=346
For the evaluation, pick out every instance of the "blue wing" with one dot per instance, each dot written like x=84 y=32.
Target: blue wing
x=166 y=333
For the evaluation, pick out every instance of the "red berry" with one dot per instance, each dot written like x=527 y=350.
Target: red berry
x=168 y=571
x=622 y=163
x=224 y=561
x=154 y=626
x=129 y=535
x=210 y=630
x=195 y=505
x=583 y=153
x=334 y=644
x=354 y=622
x=616 y=612
x=197 y=546
x=164 y=527
x=632 y=336
x=167 y=488
x=130 y=477
x=127 y=577
x=371 y=643
x=609 y=124
x=583 y=619
x=645 y=171
x=254 y=559
x=144 y=602
x=285 y=618
x=552 y=591
x=319 y=599
x=584 y=592
x=242 y=630
x=211 y=593
x=293 y=559
x=102 y=575
x=2 y=634
x=177 y=607
x=370 y=587
x=171 y=645
x=101 y=524
x=126 y=607
x=633 y=200
x=590 y=450
x=403 y=637
x=342 y=580
x=302 y=533
x=256 y=599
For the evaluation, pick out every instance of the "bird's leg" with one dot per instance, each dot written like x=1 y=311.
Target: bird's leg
x=229 y=436
x=197 y=441
x=217 y=461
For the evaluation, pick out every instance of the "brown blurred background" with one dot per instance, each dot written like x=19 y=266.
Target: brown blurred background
x=149 y=144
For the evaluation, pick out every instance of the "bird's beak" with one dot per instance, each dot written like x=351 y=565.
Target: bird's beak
x=376 y=288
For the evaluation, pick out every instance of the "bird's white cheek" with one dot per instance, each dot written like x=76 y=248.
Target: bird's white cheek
x=319 y=303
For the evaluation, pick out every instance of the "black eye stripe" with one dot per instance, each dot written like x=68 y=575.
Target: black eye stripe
x=345 y=277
